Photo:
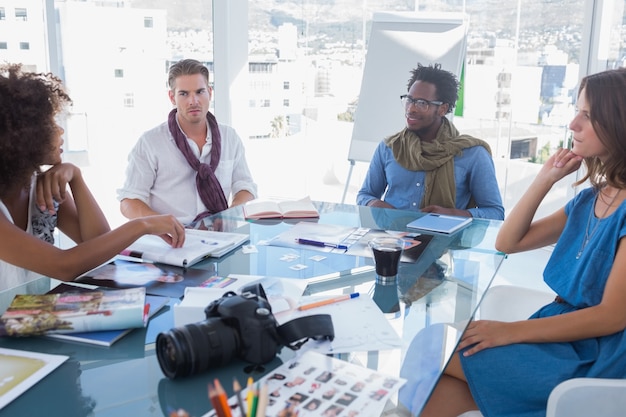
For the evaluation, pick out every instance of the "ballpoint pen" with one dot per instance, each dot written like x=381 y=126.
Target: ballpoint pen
x=321 y=244
x=328 y=301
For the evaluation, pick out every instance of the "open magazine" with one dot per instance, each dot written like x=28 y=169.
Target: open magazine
x=157 y=279
x=199 y=245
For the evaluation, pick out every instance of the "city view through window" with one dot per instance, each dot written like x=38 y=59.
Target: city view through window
x=305 y=64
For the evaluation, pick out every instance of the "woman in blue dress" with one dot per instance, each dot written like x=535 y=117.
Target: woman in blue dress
x=509 y=369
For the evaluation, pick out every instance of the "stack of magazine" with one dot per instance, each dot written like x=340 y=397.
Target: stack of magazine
x=98 y=317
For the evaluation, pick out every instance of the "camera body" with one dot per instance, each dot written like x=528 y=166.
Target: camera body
x=250 y=316
x=240 y=326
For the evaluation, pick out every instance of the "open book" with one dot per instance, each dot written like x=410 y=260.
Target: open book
x=75 y=311
x=199 y=245
x=267 y=209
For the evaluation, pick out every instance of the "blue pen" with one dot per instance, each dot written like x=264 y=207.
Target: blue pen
x=321 y=244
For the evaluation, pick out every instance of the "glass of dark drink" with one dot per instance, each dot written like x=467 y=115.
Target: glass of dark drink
x=387 y=252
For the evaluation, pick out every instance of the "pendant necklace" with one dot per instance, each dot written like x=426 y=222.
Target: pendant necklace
x=588 y=234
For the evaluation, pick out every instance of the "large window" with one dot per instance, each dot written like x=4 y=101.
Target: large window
x=521 y=70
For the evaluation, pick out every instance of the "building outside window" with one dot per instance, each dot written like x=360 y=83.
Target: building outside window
x=21 y=14
x=540 y=47
x=129 y=100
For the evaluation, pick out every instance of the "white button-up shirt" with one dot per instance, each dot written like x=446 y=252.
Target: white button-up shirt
x=159 y=175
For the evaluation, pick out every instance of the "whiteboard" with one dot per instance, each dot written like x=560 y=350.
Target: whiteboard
x=398 y=41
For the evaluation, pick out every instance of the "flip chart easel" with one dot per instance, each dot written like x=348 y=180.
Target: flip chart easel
x=398 y=41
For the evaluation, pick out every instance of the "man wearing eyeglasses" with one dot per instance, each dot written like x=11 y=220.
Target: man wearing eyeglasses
x=429 y=166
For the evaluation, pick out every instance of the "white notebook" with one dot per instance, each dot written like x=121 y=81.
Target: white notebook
x=440 y=223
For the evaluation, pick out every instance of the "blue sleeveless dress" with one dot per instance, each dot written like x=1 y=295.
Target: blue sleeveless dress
x=516 y=380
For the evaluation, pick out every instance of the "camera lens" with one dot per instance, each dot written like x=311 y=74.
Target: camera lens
x=194 y=348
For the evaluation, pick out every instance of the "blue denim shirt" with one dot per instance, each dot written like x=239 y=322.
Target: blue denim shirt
x=404 y=189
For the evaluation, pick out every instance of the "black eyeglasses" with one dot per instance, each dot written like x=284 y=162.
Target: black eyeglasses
x=419 y=103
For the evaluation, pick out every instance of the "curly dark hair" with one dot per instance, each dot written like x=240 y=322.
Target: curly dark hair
x=604 y=92
x=29 y=103
x=445 y=82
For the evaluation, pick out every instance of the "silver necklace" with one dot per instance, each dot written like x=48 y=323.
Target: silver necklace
x=588 y=234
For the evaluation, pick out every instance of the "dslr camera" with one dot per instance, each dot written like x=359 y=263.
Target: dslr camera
x=236 y=326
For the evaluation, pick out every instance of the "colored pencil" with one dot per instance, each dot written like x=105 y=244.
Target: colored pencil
x=249 y=397
x=263 y=400
x=237 y=389
x=215 y=402
x=255 y=401
x=222 y=398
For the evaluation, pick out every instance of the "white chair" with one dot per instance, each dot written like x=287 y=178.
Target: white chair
x=578 y=397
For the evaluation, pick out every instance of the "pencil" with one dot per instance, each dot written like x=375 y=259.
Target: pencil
x=263 y=400
x=215 y=402
x=255 y=401
x=237 y=389
x=328 y=301
x=223 y=400
x=249 y=397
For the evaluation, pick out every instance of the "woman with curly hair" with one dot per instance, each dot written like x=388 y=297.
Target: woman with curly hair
x=34 y=200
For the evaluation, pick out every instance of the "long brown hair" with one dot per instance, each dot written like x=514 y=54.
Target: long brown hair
x=606 y=94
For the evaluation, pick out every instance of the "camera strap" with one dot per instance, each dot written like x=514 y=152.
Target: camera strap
x=298 y=331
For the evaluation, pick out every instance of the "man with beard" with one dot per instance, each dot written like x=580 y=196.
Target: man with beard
x=429 y=166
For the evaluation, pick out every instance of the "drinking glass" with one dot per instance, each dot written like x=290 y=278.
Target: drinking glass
x=387 y=252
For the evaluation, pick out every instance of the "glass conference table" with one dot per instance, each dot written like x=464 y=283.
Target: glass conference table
x=429 y=305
